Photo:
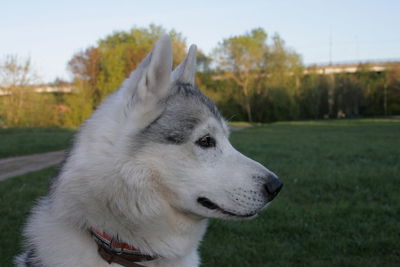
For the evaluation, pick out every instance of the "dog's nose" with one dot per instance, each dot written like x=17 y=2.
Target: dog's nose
x=272 y=185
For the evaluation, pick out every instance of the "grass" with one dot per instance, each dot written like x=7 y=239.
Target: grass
x=339 y=205
x=17 y=195
x=24 y=141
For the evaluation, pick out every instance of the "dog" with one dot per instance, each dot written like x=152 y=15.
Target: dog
x=144 y=174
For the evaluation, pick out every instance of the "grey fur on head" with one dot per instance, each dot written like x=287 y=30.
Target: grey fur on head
x=184 y=109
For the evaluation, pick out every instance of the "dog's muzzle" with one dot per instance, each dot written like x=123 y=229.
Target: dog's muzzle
x=272 y=186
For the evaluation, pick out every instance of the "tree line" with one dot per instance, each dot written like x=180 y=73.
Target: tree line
x=252 y=77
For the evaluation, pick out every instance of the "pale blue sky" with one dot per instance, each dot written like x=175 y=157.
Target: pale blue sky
x=50 y=32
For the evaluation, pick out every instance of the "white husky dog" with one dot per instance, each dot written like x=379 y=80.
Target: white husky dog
x=144 y=174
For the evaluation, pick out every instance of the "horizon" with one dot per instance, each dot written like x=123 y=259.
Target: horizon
x=344 y=31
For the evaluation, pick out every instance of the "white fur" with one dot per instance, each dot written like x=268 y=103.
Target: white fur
x=146 y=197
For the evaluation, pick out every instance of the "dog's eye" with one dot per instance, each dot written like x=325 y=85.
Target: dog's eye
x=206 y=141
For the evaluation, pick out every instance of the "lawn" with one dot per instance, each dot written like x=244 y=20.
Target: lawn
x=339 y=205
x=17 y=195
x=24 y=141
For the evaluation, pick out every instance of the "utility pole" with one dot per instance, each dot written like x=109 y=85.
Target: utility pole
x=357 y=49
x=330 y=45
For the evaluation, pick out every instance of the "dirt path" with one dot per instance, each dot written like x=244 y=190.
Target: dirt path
x=10 y=167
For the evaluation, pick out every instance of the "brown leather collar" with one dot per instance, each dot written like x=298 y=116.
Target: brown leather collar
x=114 y=251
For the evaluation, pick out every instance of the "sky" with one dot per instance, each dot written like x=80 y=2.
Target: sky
x=50 y=32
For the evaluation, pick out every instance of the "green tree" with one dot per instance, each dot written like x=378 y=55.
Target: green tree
x=310 y=95
x=284 y=66
x=372 y=86
x=392 y=90
x=280 y=88
x=242 y=58
x=79 y=108
x=20 y=104
x=101 y=69
x=260 y=72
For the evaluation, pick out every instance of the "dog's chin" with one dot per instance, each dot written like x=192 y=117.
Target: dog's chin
x=215 y=211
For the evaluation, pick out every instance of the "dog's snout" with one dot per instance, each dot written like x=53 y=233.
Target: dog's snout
x=272 y=186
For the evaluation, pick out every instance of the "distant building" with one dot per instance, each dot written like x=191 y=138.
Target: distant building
x=45 y=88
x=377 y=66
x=336 y=68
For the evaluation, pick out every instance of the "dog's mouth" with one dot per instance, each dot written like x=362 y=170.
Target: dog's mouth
x=205 y=202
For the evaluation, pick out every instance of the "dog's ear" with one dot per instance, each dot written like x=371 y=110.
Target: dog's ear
x=155 y=80
x=143 y=91
x=186 y=71
x=151 y=81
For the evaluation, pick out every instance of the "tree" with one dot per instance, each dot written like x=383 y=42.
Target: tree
x=16 y=72
x=102 y=68
x=261 y=72
x=280 y=88
x=79 y=108
x=242 y=58
x=20 y=105
x=284 y=66
x=310 y=95
x=392 y=89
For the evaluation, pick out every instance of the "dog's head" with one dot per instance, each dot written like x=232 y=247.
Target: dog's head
x=182 y=139
x=173 y=140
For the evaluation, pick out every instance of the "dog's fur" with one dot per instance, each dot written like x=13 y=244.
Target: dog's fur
x=137 y=171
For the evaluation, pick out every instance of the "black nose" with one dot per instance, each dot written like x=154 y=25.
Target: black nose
x=273 y=185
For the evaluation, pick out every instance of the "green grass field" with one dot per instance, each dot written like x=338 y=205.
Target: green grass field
x=339 y=205
x=17 y=195
x=24 y=141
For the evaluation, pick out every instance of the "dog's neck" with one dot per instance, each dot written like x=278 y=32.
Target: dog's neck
x=157 y=230
x=162 y=237
x=163 y=244
x=113 y=250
